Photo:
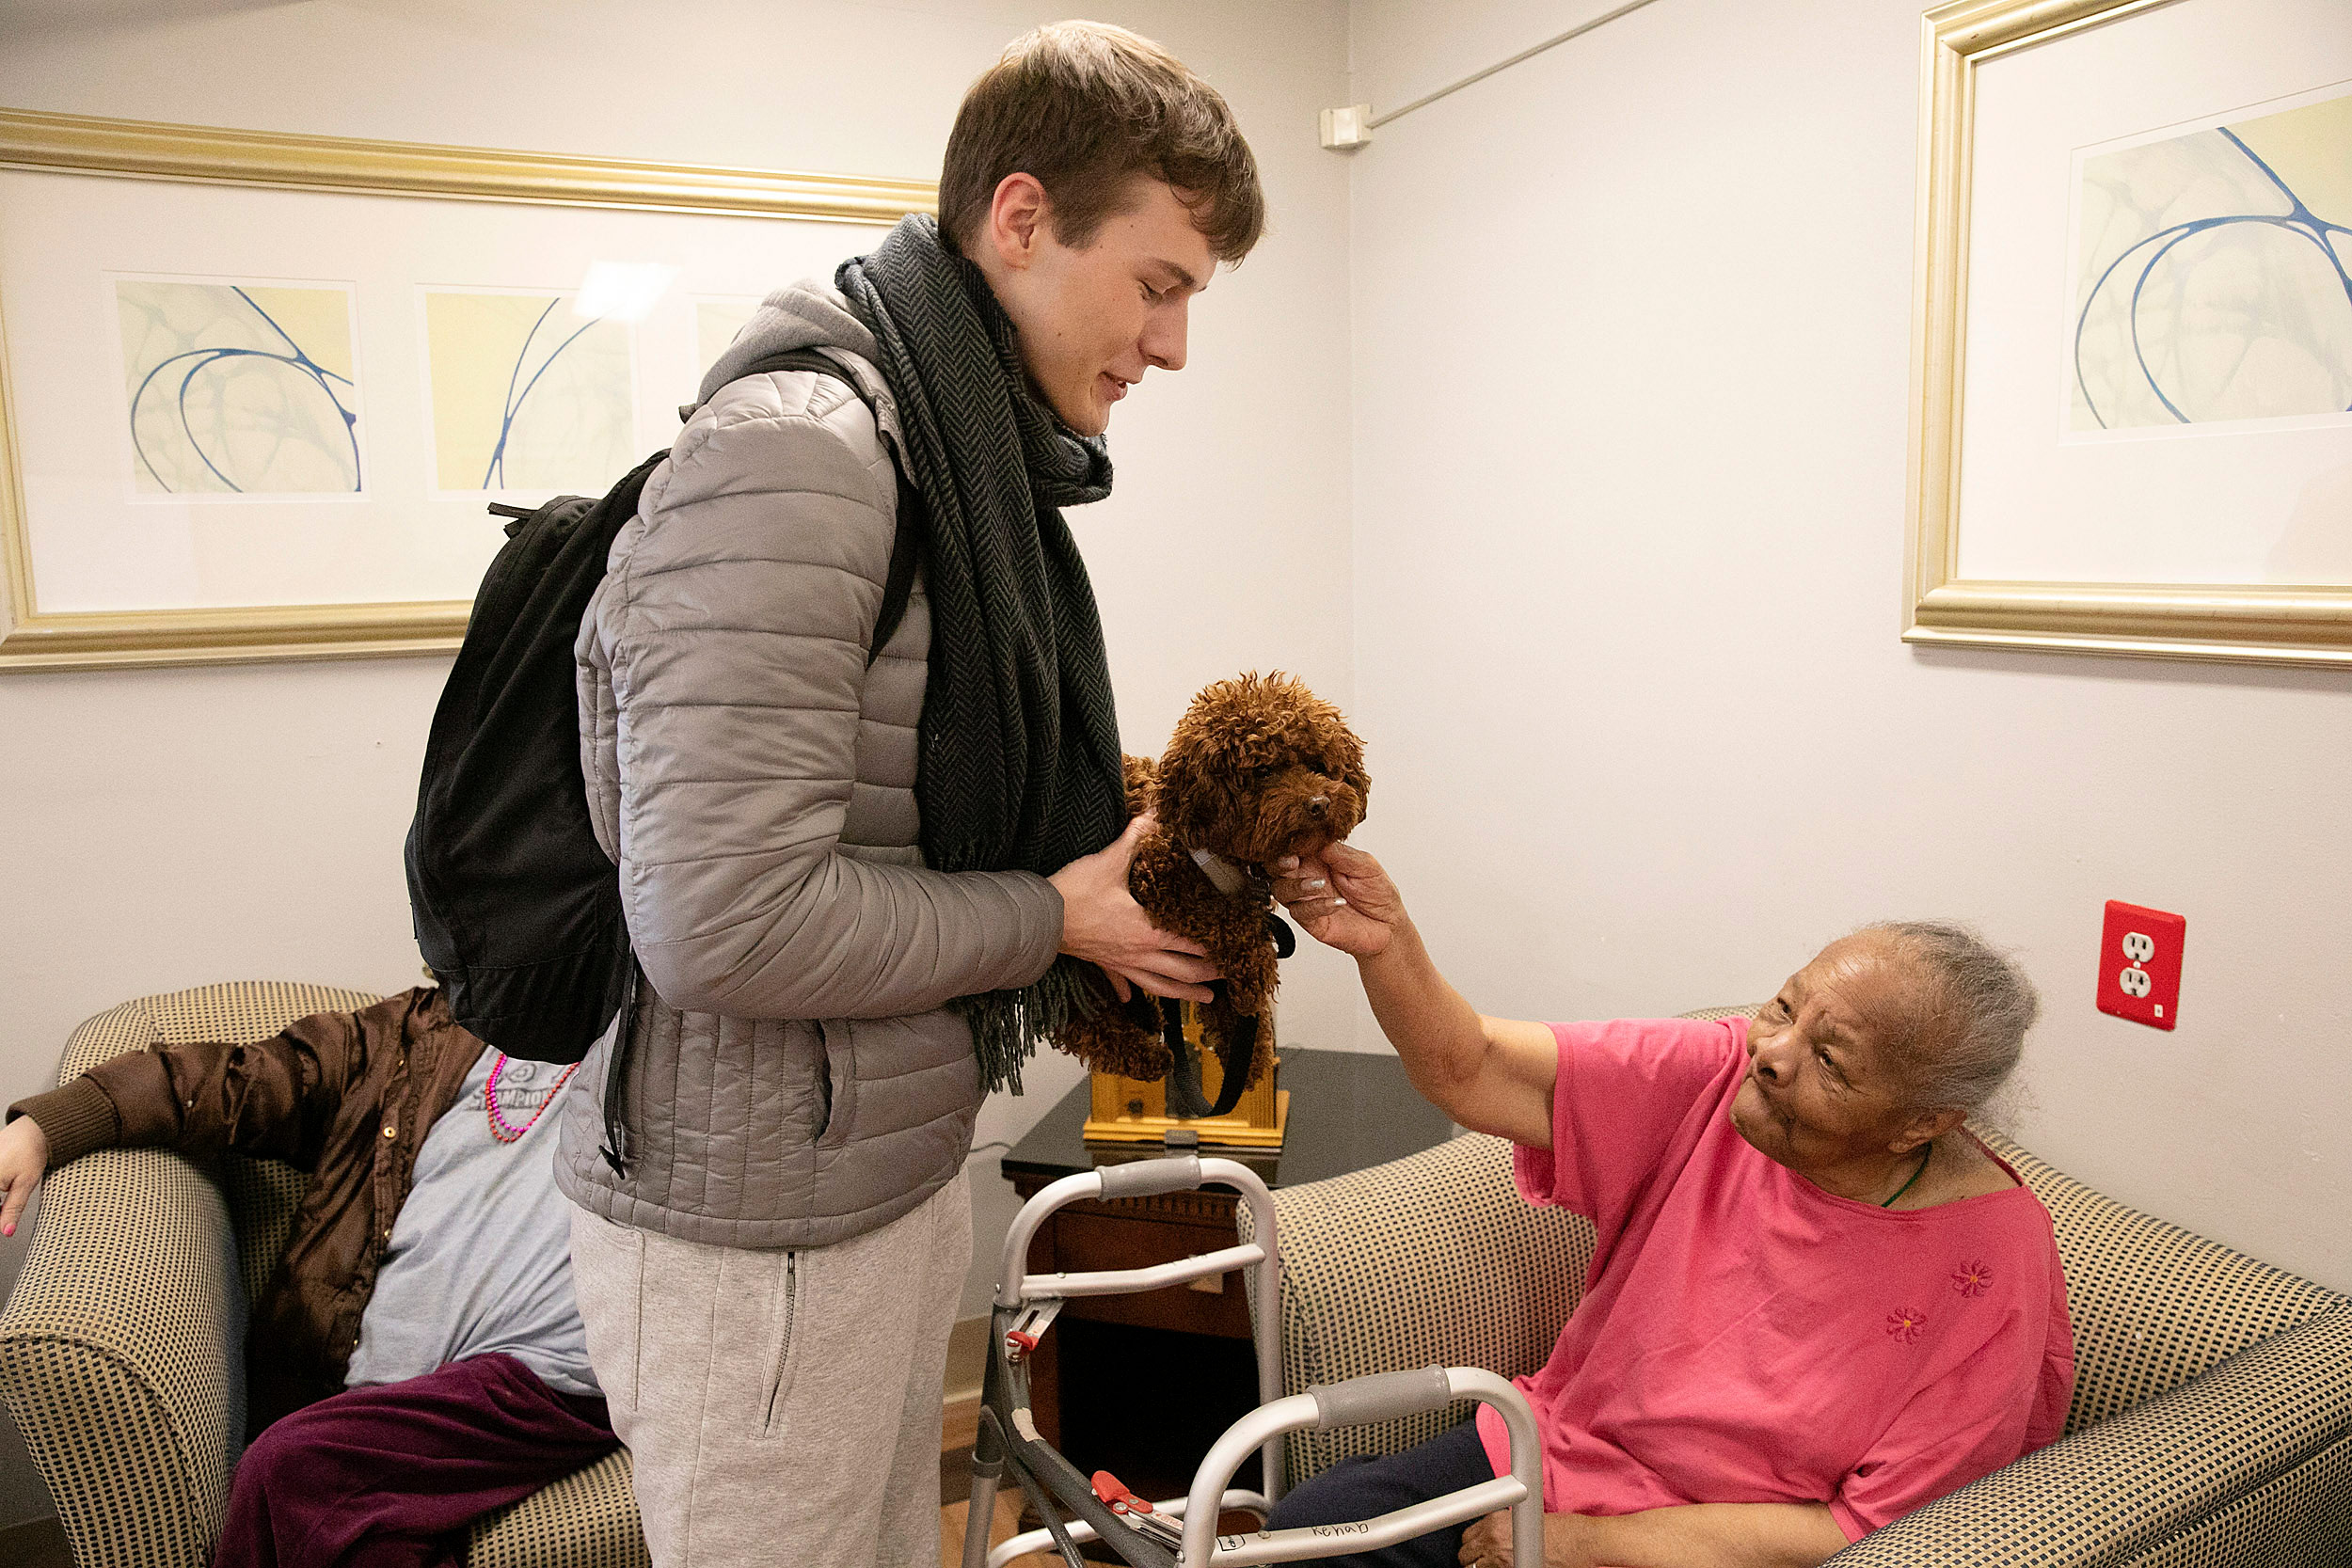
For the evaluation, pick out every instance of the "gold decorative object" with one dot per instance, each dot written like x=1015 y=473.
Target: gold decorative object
x=1134 y=1110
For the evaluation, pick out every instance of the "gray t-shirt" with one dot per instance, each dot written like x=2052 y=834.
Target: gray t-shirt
x=481 y=1254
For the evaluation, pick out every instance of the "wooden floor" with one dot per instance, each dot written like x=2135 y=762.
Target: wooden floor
x=955 y=1450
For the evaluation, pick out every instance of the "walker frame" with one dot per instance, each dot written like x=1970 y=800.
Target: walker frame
x=1009 y=1440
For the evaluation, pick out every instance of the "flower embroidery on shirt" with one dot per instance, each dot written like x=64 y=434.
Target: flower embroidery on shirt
x=1906 y=1323
x=1972 y=1279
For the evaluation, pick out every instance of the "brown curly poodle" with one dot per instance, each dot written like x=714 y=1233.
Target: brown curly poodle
x=1259 y=767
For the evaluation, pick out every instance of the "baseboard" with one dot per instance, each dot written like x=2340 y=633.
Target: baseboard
x=967 y=1360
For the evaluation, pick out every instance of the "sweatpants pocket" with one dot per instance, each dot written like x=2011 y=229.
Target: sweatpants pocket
x=782 y=1361
x=608 y=1281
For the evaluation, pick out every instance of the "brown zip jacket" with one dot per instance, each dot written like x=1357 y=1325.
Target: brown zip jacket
x=345 y=1096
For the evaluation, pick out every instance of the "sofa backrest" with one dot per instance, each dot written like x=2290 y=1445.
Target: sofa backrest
x=262 y=1195
x=2153 y=1305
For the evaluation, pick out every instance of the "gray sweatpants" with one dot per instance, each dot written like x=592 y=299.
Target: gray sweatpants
x=780 y=1407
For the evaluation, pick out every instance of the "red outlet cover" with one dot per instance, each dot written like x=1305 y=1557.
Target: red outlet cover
x=2139 y=964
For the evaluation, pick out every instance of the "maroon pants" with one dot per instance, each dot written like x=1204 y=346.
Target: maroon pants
x=389 y=1475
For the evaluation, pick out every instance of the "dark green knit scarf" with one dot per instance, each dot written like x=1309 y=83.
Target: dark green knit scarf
x=1019 y=750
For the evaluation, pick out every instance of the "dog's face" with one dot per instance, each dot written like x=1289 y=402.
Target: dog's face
x=1261 y=768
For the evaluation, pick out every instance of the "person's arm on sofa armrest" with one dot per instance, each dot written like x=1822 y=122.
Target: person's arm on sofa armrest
x=24 y=1148
x=274 y=1098
x=119 y=1343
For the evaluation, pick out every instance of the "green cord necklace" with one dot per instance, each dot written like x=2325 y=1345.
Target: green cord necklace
x=1915 y=1175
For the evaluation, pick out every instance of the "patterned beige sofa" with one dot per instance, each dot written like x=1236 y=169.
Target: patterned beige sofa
x=122 y=1343
x=2212 y=1422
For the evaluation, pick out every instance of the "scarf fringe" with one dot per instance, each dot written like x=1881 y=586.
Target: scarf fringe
x=1008 y=1025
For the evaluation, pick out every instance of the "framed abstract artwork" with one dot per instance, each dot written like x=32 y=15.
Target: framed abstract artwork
x=2132 y=341
x=256 y=390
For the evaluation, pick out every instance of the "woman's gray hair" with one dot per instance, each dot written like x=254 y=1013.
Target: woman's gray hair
x=1974 y=1010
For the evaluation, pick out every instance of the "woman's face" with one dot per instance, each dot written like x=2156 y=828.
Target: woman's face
x=1819 y=1095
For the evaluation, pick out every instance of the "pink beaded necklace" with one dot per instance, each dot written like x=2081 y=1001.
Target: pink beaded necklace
x=499 y=1129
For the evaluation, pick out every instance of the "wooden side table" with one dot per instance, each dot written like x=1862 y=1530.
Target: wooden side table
x=1141 y=1385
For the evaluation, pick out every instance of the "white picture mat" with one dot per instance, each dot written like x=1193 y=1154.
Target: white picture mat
x=2258 y=503
x=95 y=547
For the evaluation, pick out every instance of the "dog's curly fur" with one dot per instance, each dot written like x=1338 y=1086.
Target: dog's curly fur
x=1259 y=767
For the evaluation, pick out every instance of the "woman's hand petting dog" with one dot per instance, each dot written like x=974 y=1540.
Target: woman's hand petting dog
x=1101 y=922
x=1342 y=898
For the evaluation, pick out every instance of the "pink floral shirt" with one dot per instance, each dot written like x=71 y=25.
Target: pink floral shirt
x=1745 y=1336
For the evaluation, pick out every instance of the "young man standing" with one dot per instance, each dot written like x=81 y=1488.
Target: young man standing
x=860 y=886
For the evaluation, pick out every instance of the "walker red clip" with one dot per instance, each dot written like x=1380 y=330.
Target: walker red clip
x=1114 y=1496
x=1026 y=1330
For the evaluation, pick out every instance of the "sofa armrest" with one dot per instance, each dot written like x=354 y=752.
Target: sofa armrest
x=2112 y=1491
x=1431 y=1260
x=587 y=1517
x=121 y=1356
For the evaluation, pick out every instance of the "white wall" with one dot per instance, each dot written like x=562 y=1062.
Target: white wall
x=1631 y=353
x=1627 y=336
x=170 y=829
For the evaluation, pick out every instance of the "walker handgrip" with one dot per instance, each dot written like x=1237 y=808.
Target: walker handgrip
x=1177 y=1173
x=1381 y=1397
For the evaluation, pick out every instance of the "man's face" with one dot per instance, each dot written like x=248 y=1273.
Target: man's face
x=1093 y=320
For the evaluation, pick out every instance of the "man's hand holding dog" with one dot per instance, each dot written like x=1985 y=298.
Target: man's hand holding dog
x=1101 y=922
x=1342 y=898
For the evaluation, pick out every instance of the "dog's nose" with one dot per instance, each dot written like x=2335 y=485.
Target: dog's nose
x=1318 y=805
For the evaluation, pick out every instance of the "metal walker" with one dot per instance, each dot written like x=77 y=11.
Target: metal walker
x=1182 y=1533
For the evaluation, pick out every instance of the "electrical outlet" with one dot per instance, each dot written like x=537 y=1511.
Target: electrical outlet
x=2139 y=964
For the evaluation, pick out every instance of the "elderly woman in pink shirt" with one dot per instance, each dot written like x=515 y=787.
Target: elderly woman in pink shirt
x=1816 y=1300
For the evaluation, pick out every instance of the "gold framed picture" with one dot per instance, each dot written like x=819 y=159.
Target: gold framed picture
x=256 y=390
x=2131 y=423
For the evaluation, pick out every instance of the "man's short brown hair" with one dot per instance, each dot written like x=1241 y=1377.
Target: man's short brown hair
x=1085 y=107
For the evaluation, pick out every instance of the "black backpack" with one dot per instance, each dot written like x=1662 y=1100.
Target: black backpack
x=517 y=909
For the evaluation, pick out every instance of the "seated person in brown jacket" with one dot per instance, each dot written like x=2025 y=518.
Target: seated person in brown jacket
x=417 y=1360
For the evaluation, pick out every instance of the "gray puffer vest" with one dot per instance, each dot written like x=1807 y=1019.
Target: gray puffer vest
x=794 y=1076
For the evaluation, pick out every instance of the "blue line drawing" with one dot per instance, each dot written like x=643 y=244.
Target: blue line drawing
x=523 y=399
x=218 y=405
x=495 y=475
x=2214 y=291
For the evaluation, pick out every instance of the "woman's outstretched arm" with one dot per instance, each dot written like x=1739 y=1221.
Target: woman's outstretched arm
x=1490 y=1074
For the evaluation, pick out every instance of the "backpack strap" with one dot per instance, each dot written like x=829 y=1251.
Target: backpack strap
x=906 y=543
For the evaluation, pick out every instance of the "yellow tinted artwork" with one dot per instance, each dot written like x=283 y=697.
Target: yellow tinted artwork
x=239 y=389
x=2215 y=277
x=526 y=395
x=716 y=323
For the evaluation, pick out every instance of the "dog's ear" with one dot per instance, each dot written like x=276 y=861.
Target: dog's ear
x=1191 y=794
x=1347 y=753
